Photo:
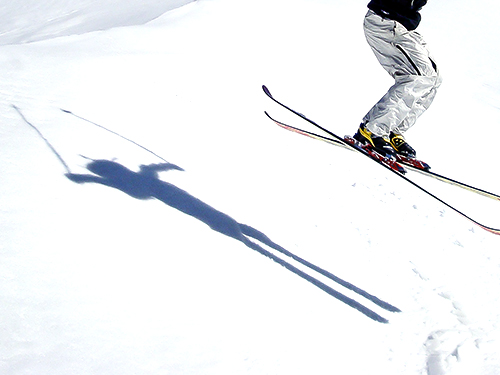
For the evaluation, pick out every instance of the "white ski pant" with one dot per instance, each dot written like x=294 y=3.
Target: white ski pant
x=405 y=56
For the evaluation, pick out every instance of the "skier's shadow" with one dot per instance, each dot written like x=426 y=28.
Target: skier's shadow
x=146 y=184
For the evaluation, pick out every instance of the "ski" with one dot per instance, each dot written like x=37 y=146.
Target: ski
x=339 y=141
x=389 y=163
x=414 y=165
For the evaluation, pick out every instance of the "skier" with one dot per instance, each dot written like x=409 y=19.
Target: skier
x=389 y=28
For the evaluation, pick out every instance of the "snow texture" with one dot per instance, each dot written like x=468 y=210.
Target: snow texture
x=154 y=221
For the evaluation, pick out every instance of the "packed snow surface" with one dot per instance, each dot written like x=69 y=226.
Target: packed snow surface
x=154 y=221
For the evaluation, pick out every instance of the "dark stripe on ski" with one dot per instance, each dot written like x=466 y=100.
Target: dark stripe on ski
x=386 y=162
x=425 y=172
x=337 y=138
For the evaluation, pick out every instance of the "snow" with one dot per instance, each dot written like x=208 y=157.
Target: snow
x=117 y=271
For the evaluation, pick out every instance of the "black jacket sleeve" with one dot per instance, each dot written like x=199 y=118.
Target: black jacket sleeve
x=404 y=11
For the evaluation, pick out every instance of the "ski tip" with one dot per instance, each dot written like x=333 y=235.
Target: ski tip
x=272 y=119
x=266 y=90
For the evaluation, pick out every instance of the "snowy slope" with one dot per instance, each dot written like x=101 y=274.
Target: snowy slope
x=32 y=20
x=116 y=270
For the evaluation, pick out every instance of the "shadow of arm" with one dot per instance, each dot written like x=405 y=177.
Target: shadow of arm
x=83 y=178
x=153 y=169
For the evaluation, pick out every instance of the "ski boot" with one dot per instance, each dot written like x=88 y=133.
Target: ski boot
x=401 y=146
x=380 y=144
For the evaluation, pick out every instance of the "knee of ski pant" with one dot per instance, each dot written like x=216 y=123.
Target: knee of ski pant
x=434 y=76
x=438 y=80
x=430 y=82
x=419 y=85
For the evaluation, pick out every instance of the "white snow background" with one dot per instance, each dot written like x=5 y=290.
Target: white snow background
x=118 y=270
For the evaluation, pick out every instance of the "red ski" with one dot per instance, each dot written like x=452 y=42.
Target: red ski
x=393 y=166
